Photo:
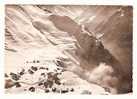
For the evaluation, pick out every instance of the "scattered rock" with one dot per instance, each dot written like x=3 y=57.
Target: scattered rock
x=9 y=83
x=47 y=68
x=50 y=78
x=45 y=84
x=38 y=61
x=17 y=84
x=50 y=83
x=32 y=89
x=47 y=90
x=53 y=89
x=58 y=68
x=14 y=76
x=22 y=72
x=107 y=89
x=42 y=74
x=72 y=89
x=40 y=84
x=58 y=82
x=30 y=71
x=59 y=63
x=34 y=61
x=64 y=90
x=42 y=68
x=6 y=75
x=34 y=68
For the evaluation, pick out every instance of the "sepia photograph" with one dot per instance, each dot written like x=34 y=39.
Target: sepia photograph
x=68 y=49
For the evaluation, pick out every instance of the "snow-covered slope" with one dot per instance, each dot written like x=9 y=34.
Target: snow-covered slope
x=83 y=38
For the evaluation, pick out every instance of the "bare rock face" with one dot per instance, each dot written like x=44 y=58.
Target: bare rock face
x=95 y=42
x=92 y=52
